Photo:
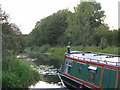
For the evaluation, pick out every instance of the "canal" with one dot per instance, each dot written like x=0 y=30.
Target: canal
x=48 y=69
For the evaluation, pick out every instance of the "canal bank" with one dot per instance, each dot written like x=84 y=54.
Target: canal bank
x=47 y=68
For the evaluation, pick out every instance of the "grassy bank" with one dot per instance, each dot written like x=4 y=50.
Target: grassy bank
x=17 y=73
x=58 y=52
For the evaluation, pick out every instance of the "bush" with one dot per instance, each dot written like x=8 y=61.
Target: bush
x=18 y=74
x=38 y=49
x=44 y=48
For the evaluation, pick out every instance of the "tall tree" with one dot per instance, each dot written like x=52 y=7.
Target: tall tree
x=50 y=29
x=87 y=16
x=12 y=39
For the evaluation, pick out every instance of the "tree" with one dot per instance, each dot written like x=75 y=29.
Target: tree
x=12 y=39
x=49 y=29
x=87 y=16
x=100 y=32
x=115 y=35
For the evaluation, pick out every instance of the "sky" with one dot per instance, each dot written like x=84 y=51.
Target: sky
x=25 y=13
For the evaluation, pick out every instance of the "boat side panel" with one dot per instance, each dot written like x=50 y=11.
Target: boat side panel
x=105 y=79
x=109 y=77
x=74 y=70
x=118 y=84
x=80 y=71
x=98 y=76
x=64 y=65
x=112 y=78
x=83 y=74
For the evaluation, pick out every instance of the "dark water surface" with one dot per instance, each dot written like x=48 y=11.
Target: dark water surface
x=47 y=67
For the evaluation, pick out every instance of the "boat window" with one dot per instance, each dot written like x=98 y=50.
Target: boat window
x=70 y=63
x=92 y=70
x=69 y=69
x=79 y=70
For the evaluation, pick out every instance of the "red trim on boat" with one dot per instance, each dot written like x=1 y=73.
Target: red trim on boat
x=93 y=63
x=116 y=82
x=90 y=85
x=101 y=77
x=76 y=60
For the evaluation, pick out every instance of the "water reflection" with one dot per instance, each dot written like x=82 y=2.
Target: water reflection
x=43 y=59
x=47 y=67
x=42 y=84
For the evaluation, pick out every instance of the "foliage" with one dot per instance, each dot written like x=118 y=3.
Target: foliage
x=37 y=49
x=58 y=52
x=49 y=29
x=43 y=48
x=12 y=39
x=17 y=73
x=103 y=43
x=85 y=26
x=82 y=23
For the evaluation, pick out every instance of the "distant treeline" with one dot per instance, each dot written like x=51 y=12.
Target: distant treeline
x=85 y=26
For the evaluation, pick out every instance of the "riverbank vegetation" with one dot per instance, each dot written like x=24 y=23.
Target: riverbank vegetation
x=58 y=52
x=84 y=29
x=16 y=73
x=37 y=49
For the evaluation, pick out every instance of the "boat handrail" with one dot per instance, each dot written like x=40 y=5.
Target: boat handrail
x=106 y=54
x=104 y=61
x=95 y=53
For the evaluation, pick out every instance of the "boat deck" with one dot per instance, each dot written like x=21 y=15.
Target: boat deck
x=108 y=59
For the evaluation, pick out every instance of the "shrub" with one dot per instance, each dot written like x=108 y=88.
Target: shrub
x=18 y=74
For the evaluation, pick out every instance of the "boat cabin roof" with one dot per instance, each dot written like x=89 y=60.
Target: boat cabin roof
x=96 y=57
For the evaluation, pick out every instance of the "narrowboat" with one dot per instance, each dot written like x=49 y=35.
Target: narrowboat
x=90 y=70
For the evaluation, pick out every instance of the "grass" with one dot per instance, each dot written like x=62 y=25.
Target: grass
x=17 y=73
x=109 y=50
x=58 y=52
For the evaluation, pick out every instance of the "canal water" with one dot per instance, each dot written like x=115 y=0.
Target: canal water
x=48 y=68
